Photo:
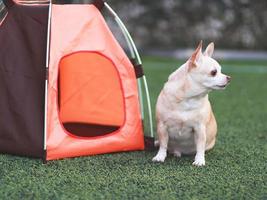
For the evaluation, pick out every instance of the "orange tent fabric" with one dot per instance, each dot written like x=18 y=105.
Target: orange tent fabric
x=90 y=90
x=81 y=38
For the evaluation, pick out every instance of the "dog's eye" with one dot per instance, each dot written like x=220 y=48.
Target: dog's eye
x=213 y=72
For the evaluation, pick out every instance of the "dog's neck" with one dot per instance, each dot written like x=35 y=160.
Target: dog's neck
x=184 y=88
x=195 y=90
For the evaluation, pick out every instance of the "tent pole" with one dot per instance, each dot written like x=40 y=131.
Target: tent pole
x=127 y=34
x=140 y=91
x=127 y=39
x=46 y=76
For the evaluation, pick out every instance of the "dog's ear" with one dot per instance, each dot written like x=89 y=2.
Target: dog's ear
x=209 y=50
x=196 y=56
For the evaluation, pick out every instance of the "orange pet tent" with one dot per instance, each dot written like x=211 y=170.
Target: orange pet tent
x=92 y=89
x=92 y=99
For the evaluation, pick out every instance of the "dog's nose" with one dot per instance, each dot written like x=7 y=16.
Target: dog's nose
x=228 y=78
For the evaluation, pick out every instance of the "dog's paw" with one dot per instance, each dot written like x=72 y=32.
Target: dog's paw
x=159 y=158
x=199 y=162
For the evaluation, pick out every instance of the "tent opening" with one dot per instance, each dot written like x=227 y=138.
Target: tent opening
x=90 y=95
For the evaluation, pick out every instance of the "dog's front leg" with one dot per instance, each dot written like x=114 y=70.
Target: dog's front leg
x=163 y=143
x=200 y=141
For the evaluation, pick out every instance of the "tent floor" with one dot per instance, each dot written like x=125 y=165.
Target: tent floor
x=89 y=130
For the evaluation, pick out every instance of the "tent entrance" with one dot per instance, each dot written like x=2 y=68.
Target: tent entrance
x=90 y=96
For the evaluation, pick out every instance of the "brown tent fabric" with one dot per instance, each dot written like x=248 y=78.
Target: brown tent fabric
x=22 y=79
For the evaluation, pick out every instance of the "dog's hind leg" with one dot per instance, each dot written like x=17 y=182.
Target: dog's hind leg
x=177 y=153
x=174 y=149
x=163 y=143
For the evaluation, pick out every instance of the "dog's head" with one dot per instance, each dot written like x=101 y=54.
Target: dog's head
x=206 y=71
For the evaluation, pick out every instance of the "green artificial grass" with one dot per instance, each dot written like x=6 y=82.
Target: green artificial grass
x=235 y=169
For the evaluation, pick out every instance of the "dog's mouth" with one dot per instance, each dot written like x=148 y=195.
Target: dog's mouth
x=221 y=86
